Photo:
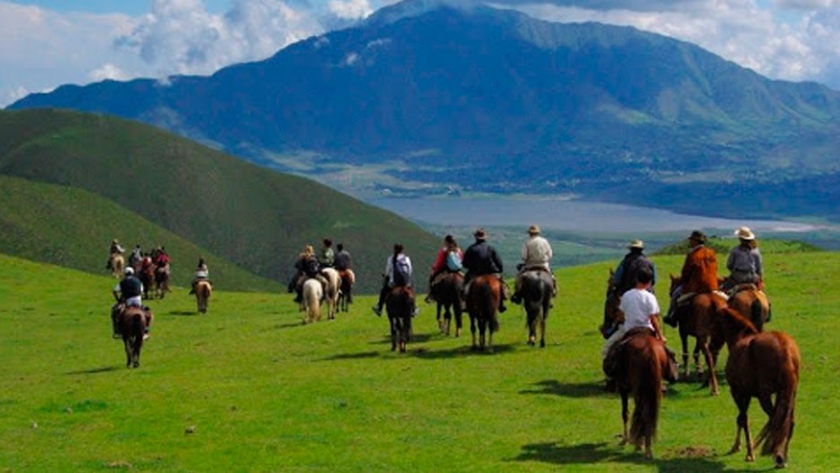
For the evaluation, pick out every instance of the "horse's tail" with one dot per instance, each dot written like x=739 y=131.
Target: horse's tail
x=647 y=396
x=757 y=314
x=776 y=434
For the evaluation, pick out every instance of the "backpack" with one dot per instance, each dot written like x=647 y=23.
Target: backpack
x=453 y=262
x=402 y=273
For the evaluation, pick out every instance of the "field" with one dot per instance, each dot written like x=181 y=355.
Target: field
x=247 y=387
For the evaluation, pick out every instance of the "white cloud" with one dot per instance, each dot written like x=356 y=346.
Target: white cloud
x=108 y=71
x=350 y=9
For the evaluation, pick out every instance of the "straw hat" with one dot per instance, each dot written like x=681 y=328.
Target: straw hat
x=636 y=244
x=744 y=233
x=534 y=230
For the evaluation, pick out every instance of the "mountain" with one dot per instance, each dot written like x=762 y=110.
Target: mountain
x=429 y=98
x=153 y=187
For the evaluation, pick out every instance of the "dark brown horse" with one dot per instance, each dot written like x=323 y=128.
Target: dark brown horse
x=639 y=363
x=131 y=323
x=448 y=293
x=537 y=291
x=161 y=281
x=697 y=320
x=752 y=303
x=146 y=275
x=345 y=296
x=482 y=305
x=762 y=365
x=398 y=305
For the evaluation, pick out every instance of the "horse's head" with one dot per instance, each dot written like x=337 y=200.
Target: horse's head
x=675 y=281
x=613 y=316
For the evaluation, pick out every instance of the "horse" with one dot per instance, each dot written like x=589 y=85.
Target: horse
x=203 y=290
x=482 y=306
x=697 y=320
x=398 y=305
x=146 y=275
x=345 y=297
x=161 y=281
x=448 y=294
x=313 y=292
x=117 y=264
x=761 y=365
x=333 y=290
x=752 y=303
x=639 y=363
x=536 y=291
x=131 y=323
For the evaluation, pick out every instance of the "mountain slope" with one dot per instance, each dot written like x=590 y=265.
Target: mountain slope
x=255 y=218
x=479 y=99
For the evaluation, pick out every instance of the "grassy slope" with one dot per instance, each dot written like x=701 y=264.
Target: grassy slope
x=72 y=228
x=254 y=217
x=263 y=393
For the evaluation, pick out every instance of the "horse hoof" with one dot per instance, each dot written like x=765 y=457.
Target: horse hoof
x=531 y=342
x=780 y=462
x=542 y=343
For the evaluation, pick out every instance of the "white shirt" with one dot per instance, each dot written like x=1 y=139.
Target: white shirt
x=536 y=252
x=638 y=306
x=389 y=267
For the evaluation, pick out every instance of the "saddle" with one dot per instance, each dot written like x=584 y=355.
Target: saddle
x=746 y=286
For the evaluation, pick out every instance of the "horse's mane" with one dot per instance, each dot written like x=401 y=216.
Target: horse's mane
x=737 y=321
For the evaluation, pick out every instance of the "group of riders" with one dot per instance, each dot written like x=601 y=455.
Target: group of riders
x=635 y=278
x=128 y=292
x=311 y=265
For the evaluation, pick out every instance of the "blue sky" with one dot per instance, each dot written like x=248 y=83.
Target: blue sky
x=47 y=43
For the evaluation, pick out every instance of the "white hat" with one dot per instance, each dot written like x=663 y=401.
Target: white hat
x=636 y=244
x=129 y=270
x=744 y=233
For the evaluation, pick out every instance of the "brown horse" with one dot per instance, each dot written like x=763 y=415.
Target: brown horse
x=146 y=275
x=639 y=363
x=399 y=305
x=448 y=293
x=483 y=305
x=203 y=290
x=161 y=281
x=761 y=365
x=752 y=303
x=345 y=296
x=537 y=291
x=697 y=320
x=131 y=323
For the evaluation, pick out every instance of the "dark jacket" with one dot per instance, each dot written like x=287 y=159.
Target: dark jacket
x=342 y=260
x=628 y=269
x=481 y=258
x=130 y=287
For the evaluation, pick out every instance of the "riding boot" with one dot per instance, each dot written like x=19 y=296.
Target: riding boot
x=298 y=295
x=671 y=317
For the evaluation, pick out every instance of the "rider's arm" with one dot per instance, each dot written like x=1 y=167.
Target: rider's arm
x=657 y=327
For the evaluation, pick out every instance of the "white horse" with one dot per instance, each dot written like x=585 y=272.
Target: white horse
x=311 y=301
x=333 y=290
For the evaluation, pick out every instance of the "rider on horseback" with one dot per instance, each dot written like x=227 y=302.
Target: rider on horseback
x=307 y=267
x=449 y=260
x=536 y=254
x=699 y=275
x=128 y=293
x=397 y=273
x=343 y=263
x=635 y=260
x=480 y=259
x=202 y=273
x=744 y=262
x=326 y=258
x=116 y=249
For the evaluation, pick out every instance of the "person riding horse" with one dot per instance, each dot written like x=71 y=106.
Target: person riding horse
x=202 y=273
x=449 y=260
x=398 y=272
x=307 y=267
x=480 y=259
x=699 y=275
x=536 y=255
x=136 y=257
x=625 y=274
x=128 y=293
x=326 y=257
x=115 y=249
x=744 y=262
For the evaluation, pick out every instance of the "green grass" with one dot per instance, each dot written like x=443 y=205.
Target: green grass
x=246 y=387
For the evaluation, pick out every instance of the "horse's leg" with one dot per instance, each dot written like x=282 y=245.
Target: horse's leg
x=459 y=317
x=532 y=329
x=625 y=437
x=482 y=328
x=127 y=343
x=684 y=341
x=438 y=307
x=710 y=364
x=394 y=332
x=472 y=331
x=405 y=333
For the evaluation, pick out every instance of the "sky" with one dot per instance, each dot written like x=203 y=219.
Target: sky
x=47 y=43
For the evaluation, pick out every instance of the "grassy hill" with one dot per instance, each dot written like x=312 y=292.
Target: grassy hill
x=253 y=217
x=248 y=388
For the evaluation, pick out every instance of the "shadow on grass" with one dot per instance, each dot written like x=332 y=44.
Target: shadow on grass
x=593 y=453
x=459 y=352
x=352 y=356
x=573 y=390
x=104 y=369
x=182 y=312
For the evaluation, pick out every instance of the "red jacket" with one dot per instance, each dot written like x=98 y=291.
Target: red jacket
x=699 y=272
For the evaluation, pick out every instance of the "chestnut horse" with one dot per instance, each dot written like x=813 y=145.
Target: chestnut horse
x=146 y=275
x=761 y=365
x=161 y=281
x=752 y=303
x=697 y=320
x=639 y=363
x=536 y=291
x=313 y=291
x=483 y=299
x=448 y=293
x=131 y=323
x=399 y=307
x=345 y=295
x=203 y=291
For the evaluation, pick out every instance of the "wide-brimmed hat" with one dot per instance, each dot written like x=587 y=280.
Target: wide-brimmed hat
x=480 y=234
x=534 y=230
x=744 y=233
x=636 y=244
x=697 y=235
